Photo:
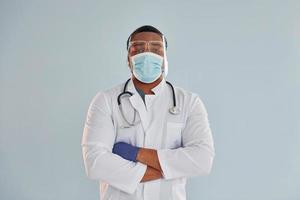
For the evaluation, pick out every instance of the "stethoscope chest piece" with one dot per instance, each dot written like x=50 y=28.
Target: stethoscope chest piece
x=174 y=110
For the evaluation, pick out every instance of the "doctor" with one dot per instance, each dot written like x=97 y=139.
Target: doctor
x=142 y=139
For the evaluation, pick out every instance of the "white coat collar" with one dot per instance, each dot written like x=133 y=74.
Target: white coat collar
x=138 y=104
x=156 y=90
x=159 y=88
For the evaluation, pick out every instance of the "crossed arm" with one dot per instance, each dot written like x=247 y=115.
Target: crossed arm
x=195 y=157
x=149 y=157
x=145 y=156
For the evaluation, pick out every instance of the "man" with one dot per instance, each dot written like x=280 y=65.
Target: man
x=143 y=139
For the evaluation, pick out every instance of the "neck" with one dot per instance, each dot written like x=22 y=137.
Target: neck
x=146 y=87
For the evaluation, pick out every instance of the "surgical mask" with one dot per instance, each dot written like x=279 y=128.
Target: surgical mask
x=147 y=66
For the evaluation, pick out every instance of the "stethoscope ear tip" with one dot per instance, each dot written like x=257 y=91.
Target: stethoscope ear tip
x=174 y=110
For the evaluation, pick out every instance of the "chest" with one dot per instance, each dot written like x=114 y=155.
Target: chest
x=152 y=127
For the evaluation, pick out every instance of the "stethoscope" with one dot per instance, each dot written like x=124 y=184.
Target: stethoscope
x=173 y=110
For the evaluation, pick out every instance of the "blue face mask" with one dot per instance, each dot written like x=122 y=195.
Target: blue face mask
x=147 y=66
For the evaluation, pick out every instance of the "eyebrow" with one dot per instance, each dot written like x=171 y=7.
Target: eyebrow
x=146 y=41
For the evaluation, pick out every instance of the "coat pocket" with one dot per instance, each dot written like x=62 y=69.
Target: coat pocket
x=173 y=135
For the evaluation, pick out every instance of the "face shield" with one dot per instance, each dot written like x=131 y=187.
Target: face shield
x=165 y=66
x=156 y=47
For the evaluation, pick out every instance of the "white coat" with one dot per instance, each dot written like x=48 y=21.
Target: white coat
x=184 y=142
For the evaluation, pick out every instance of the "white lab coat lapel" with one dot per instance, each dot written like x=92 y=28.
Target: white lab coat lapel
x=158 y=90
x=137 y=102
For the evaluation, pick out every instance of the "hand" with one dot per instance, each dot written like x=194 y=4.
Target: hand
x=126 y=151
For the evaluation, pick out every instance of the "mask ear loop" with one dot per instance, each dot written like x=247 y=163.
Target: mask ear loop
x=165 y=68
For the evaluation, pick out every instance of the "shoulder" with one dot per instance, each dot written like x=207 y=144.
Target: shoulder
x=186 y=95
x=189 y=100
x=106 y=96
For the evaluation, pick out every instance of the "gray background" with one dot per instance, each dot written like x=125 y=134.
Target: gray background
x=241 y=57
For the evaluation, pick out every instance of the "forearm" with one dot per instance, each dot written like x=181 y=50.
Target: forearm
x=151 y=174
x=188 y=161
x=149 y=157
x=101 y=164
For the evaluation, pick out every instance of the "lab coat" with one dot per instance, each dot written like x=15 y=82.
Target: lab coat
x=184 y=142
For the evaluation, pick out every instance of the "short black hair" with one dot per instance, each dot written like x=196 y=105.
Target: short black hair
x=147 y=28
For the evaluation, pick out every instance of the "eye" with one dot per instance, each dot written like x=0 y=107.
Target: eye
x=156 y=48
x=158 y=51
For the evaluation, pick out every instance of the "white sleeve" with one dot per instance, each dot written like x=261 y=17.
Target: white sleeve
x=97 y=143
x=196 y=155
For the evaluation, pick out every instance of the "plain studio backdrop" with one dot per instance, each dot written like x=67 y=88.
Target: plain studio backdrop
x=241 y=57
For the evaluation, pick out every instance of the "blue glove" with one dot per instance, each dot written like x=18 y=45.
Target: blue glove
x=126 y=151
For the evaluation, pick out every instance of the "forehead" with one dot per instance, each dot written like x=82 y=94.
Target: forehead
x=147 y=36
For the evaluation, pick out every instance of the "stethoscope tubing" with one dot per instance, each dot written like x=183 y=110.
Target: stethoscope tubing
x=174 y=110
